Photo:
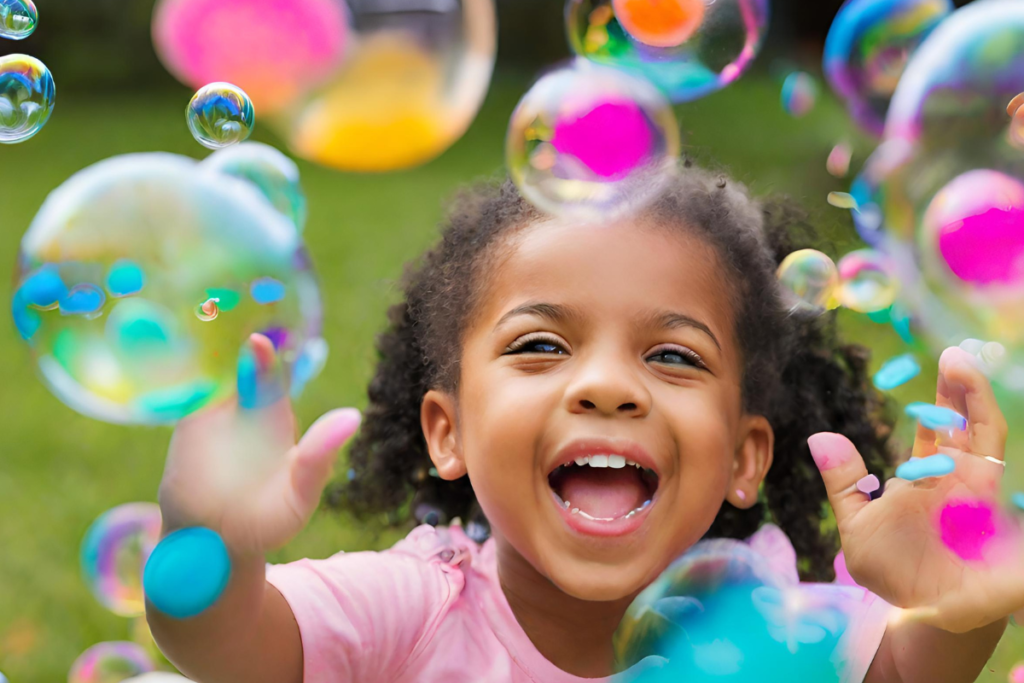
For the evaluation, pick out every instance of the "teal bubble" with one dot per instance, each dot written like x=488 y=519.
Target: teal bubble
x=177 y=402
x=18 y=19
x=896 y=372
x=881 y=317
x=220 y=114
x=1018 y=500
x=44 y=289
x=125 y=278
x=26 y=321
x=227 y=298
x=83 y=299
x=922 y=468
x=936 y=417
x=27 y=96
x=267 y=290
x=187 y=572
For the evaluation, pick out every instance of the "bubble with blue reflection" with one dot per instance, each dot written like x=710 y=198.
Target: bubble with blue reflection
x=868 y=47
x=114 y=553
x=118 y=266
x=219 y=115
x=27 y=96
x=18 y=19
x=688 y=48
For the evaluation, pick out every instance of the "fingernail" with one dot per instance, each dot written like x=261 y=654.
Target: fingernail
x=260 y=374
x=332 y=430
x=829 y=450
x=956 y=354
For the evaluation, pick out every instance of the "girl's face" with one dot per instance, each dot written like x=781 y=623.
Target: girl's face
x=593 y=350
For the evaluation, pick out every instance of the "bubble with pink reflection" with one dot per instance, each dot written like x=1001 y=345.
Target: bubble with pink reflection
x=275 y=50
x=588 y=141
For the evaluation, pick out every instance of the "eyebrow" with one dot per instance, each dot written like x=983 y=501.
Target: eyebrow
x=557 y=313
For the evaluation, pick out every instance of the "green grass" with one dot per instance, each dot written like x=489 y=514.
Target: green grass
x=58 y=470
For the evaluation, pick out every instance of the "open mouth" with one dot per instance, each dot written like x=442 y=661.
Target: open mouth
x=603 y=488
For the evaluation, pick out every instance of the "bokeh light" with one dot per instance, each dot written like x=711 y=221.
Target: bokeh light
x=110 y=663
x=114 y=553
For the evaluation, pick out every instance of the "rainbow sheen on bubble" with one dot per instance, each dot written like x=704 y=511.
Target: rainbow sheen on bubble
x=688 y=48
x=868 y=47
x=275 y=50
x=867 y=282
x=116 y=264
x=270 y=171
x=799 y=94
x=27 y=96
x=219 y=115
x=18 y=19
x=589 y=141
x=723 y=613
x=110 y=663
x=114 y=552
x=838 y=164
x=809 y=280
x=945 y=189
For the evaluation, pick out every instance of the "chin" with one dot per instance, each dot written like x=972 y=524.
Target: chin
x=602 y=582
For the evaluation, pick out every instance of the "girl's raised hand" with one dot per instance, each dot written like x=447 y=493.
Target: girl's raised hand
x=940 y=546
x=237 y=469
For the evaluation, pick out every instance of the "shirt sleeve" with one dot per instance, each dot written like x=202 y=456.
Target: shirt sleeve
x=869 y=619
x=361 y=615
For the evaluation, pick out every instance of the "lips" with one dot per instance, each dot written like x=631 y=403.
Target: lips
x=603 y=484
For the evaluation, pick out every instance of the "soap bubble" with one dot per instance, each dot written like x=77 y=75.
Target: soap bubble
x=799 y=93
x=411 y=86
x=116 y=263
x=18 y=19
x=868 y=47
x=114 y=552
x=274 y=174
x=110 y=663
x=688 y=48
x=27 y=96
x=809 y=280
x=867 y=284
x=718 y=613
x=949 y=182
x=838 y=164
x=275 y=50
x=588 y=141
x=220 y=114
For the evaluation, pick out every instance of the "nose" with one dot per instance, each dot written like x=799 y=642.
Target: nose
x=603 y=386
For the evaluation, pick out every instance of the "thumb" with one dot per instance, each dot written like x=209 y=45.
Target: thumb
x=313 y=458
x=841 y=467
x=261 y=378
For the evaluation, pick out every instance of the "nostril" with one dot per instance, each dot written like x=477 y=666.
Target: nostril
x=627 y=407
x=587 y=404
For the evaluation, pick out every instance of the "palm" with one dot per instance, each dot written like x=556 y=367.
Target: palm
x=959 y=575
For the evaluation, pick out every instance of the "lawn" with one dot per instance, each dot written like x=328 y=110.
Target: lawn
x=59 y=470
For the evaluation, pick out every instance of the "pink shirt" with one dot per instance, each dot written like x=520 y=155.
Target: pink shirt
x=431 y=609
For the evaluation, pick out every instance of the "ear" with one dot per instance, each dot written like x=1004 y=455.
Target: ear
x=438 y=418
x=753 y=459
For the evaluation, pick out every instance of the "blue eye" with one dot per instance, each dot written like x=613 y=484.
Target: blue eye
x=536 y=346
x=677 y=357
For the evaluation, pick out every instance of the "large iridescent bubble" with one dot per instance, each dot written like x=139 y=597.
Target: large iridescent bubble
x=723 y=613
x=377 y=86
x=114 y=553
x=112 y=662
x=944 y=193
x=688 y=48
x=117 y=265
x=588 y=141
x=868 y=47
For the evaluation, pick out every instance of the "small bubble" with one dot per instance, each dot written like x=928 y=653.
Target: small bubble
x=843 y=200
x=896 y=372
x=799 y=94
x=267 y=290
x=18 y=19
x=838 y=164
x=220 y=114
x=27 y=95
x=810 y=280
x=208 y=310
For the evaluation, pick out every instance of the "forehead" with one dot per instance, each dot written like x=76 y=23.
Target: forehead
x=622 y=270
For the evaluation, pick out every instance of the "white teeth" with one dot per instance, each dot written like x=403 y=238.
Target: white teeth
x=616 y=462
x=582 y=461
x=599 y=461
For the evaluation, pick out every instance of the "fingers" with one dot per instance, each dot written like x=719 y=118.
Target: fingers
x=313 y=458
x=261 y=377
x=970 y=392
x=841 y=467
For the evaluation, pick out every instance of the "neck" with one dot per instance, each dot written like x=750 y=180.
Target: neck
x=575 y=635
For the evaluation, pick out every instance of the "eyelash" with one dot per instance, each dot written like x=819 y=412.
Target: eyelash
x=521 y=345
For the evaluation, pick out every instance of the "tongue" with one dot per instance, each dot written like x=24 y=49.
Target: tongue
x=603 y=493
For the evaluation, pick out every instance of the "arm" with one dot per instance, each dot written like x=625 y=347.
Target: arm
x=914 y=652
x=236 y=469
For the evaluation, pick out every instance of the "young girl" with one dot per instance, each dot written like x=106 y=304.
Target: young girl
x=603 y=397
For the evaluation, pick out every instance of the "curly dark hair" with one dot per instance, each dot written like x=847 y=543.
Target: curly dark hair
x=797 y=373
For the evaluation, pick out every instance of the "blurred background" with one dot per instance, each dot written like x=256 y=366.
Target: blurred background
x=59 y=470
